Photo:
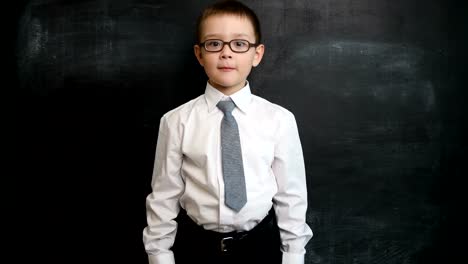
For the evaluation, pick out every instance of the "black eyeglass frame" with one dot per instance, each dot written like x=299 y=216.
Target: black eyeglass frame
x=202 y=44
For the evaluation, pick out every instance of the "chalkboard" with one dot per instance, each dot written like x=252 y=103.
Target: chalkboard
x=376 y=87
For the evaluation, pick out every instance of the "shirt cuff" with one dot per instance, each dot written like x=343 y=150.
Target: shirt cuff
x=292 y=258
x=162 y=258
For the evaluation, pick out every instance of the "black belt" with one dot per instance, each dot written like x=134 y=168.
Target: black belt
x=226 y=243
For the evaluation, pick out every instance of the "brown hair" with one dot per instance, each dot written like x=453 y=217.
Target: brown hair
x=230 y=7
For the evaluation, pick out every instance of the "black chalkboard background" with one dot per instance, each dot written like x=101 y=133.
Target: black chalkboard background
x=377 y=87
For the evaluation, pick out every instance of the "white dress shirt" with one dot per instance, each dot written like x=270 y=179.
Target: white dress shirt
x=188 y=173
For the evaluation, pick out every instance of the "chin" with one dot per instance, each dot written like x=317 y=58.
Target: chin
x=224 y=84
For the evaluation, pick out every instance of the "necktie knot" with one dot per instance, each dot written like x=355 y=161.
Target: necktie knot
x=226 y=106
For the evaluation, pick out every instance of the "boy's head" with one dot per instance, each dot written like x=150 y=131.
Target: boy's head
x=228 y=44
x=230 y=7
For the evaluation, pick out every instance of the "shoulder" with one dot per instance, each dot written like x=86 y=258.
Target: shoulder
x=183 y=109
x=181 y=112
x=276 y=111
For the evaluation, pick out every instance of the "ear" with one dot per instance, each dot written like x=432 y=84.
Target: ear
x=198 y=54
x=259 y=51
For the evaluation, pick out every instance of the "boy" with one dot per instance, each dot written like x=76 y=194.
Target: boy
x=229 y=181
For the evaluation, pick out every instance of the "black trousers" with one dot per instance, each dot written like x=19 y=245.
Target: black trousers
x=194 y=244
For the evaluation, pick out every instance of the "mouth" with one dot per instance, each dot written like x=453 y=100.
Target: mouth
x=226 y=69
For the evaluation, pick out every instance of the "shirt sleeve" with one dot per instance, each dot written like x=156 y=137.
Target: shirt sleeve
x=290 y=202
x=162 y=204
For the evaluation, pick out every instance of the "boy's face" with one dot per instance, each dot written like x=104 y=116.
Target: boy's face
x=227 y=70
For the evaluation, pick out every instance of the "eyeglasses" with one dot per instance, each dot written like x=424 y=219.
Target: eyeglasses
x=236 y=45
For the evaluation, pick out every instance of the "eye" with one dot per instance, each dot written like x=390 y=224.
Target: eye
x=240 y=43
x=213 y=43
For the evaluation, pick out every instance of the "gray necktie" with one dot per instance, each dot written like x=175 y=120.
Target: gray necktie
x=233 y=169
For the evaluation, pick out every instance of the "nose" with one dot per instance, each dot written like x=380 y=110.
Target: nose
x=226 y=52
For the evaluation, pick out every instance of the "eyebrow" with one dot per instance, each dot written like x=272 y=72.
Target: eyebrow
x=218 y=35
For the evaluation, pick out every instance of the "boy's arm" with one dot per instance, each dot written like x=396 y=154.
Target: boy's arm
x=162 y=205
x=290 y=202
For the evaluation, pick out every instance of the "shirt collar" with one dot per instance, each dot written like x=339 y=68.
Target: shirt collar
x=241 y=98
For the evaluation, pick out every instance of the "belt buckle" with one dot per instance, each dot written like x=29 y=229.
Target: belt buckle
x=224 y=247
